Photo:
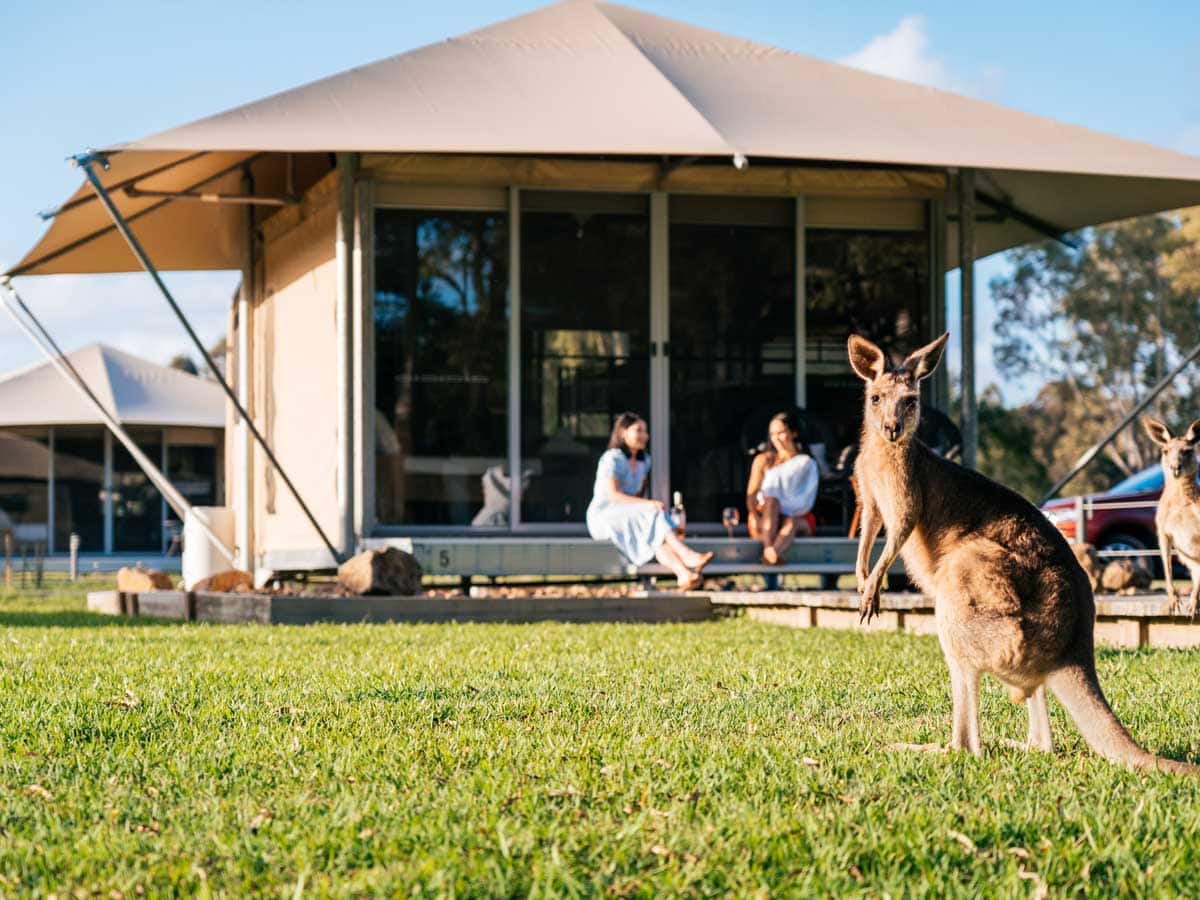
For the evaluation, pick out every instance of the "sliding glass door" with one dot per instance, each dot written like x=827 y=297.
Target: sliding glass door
x=585 y=340
x=732 y=341
x=684 y=309
x=441 y=326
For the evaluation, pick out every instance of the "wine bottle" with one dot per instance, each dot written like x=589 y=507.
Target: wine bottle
x=679 y=514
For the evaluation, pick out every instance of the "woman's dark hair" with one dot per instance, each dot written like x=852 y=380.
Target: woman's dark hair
x=616 y=441
x=788 y=418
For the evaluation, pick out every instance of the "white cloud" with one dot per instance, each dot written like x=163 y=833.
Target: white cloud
x=905 y=53
x=124 y=311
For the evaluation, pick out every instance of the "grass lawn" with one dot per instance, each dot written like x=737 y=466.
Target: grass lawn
x=717 y=758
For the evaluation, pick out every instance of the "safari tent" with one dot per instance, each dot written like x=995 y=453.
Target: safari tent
x=62 y=473
x=459 y=262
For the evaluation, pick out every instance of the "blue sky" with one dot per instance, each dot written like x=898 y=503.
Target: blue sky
x=81 y=74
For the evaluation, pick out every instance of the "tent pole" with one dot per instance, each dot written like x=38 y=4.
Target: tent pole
x=1093 y=451
x=243 y=449
x=85 y=161
x=966 y=268
x=41 y=338
x=344 y=353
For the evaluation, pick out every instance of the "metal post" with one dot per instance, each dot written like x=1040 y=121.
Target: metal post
x=162 y=501
x=243 y=448
x=1080 y=521
x=966 y=263
x=344 y=352
x=514 y=357
x=108 y=492
x=940 y=389
x=363 y=370
x=73 y=550
x=802 y=308
x=85 y=161
x=660 y=337
x=51 y=490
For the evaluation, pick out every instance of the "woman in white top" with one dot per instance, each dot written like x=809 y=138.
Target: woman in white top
x=640 y=527
x=782 y=490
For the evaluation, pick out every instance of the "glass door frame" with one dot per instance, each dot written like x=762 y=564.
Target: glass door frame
x=373 y=195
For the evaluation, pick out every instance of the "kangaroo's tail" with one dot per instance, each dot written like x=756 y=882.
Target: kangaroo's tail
x=1078 y=689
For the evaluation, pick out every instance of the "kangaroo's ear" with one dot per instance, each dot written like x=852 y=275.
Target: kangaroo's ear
x=921 y=363
x=1157 y=430
x=1193 y=433
x=867 y=360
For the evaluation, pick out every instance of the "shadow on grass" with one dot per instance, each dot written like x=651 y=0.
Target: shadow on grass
x=72 y=619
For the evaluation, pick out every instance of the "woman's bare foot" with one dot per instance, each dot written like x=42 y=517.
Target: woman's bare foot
x=770 y=556
x=703 y=560
x=691 y=583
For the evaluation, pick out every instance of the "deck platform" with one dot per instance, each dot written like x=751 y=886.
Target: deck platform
x=1141 y=620
x=1128 y=621
x=565 y=556
x=268 y=609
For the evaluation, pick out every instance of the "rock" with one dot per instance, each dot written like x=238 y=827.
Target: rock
x=1089 y=561
x=1125 y=576
x=137 y=580
x=386 y=571
x=232 y=581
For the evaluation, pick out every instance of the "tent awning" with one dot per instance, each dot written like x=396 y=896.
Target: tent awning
x=597 y=80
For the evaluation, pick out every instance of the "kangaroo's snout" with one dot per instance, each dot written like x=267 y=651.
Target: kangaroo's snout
x=892 y=431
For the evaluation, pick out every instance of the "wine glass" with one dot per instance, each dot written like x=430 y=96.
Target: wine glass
x=730 y=516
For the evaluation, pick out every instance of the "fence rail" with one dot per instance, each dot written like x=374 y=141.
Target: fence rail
x=1084 y=507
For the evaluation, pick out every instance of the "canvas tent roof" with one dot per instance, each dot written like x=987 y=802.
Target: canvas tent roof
x=136 y=391
x=584 y=78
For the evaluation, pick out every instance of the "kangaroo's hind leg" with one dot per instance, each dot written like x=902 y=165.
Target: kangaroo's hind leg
x=1194 y=599
x=1039 y=721
x=964 y=688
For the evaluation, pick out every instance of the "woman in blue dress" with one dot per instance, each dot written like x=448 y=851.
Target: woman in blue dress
x=619 y=512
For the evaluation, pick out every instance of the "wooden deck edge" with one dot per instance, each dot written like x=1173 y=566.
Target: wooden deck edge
x=1139 y=620
x=229 y=608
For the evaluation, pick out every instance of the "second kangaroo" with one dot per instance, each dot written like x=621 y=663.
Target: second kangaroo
x=1010 y=598
x=1178 y=516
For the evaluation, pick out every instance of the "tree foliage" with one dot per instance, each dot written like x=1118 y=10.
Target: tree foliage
x=1099 y=325
x=183 y=363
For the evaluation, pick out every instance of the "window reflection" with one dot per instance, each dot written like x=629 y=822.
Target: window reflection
x=733 y=326
x=585 y=317
x=194 y=471
x=440 y=380
x=24 y=498
x=860 y=282
x=138 y=510
x=79 y=489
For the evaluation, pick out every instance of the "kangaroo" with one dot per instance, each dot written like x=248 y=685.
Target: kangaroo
x=1010 y=598
x=1178 y=515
